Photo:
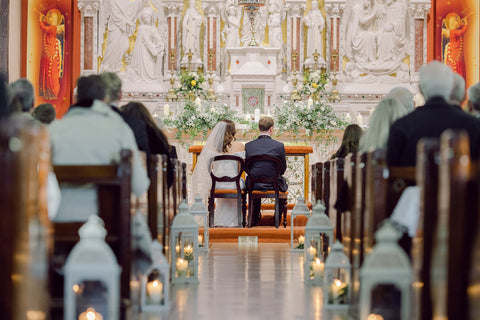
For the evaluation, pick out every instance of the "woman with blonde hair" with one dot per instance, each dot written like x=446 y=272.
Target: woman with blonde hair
x=385 y=114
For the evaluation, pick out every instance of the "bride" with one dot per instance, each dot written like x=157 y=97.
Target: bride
x=220 y=141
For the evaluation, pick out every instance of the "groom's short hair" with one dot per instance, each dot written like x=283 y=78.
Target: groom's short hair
x=265 y=123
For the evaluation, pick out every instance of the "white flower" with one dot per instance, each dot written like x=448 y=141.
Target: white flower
x=333 y=123
x=322 y=109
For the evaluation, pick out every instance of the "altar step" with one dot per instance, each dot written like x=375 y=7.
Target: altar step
x=265 y=231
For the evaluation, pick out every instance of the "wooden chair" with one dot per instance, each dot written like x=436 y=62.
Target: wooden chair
x=114 y=188
x=236 y=193
x=280 y=197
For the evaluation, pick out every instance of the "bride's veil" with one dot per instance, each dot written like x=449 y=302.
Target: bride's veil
x=201 y=180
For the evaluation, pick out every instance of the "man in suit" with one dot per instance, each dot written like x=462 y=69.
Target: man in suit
x=436 y=116
x=265 y=145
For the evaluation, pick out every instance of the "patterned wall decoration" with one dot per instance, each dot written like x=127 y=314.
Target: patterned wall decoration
x=253 y=98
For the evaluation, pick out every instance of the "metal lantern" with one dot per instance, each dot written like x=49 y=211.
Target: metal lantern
x=300 y=209
x=92 y=276
x=318 y=236
x=184 y=247
x=155 y=282
x=198 y=208
x=337 y=279
x=386 y=277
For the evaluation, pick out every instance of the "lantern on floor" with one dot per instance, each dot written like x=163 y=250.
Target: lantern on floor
x=155 y=282
x=386 y=278
x=184 y=246
x=318 y=236
x=92 y=276
x=199 y=209
x=300 y=209
x=337 y=279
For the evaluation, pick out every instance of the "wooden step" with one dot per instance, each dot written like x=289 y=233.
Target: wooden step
x=265 y=234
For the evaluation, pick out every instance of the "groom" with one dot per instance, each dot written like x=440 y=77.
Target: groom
x=265 y=145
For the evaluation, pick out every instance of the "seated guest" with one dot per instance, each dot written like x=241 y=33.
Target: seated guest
x=457 y=96
x=474 y=99
x=404 y=96
x=91 y=133
x=21 y=97
x=265 y=145
x=386 y=112
x=112 y=98
x=157 y=140
x=45 y=113
x=350 y=140
x=437 y=115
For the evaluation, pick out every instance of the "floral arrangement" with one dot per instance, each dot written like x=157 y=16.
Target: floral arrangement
x=315 y=117
x=315 y=85
x=199 y=117
x=191 y=85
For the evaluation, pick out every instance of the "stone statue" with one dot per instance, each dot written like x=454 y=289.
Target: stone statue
x=191 y=27
x=230 y=33
x=276 y=16
x=376 y=40
x=315 y=23
x=391 y=40
x=117 y=19
x=149 y=49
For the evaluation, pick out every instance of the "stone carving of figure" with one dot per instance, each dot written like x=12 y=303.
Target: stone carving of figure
x=260 y=24
x=362 y=35
x=230 y=34
x=191 y=27
x=315 y=23
x=391 y=39
x=275 y=18
x=117 y=16
x=149 y=48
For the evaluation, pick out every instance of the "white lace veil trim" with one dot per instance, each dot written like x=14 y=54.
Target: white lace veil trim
x=201 y=180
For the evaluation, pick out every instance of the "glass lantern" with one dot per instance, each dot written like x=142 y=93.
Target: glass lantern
x=92 y=276
x=386 y=278
x=155 y=282
x=337 y=279
x=184 y=247
x=318 y=236
x=199 y=209
x=300 y=209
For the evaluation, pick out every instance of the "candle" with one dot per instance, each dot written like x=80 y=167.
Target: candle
x=371 y=111
x=182 y=265
x=294 y=34
x=166 y=110
x=310 y=103
x=154 y=291
x=312 y=251
x=200 y=240
x=335 y=33
x=359 y=119
x=374 y=316
x=210 y=33
x=198 y=103
x=90 y=314
x=301 y=240
x=188 y=250
x=177 y=248
x=318 y=267
x=348 y=118
x=337 y=289
x=247 y=116
x=172 y=33
x=257 y=115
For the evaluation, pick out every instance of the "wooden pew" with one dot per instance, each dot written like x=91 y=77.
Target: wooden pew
x=457 y=213
x=114 y=194
x=316 y=182
x=427 y=181
x=326 y=186
x=25 y=245
x=336 y=182
x=346 y=216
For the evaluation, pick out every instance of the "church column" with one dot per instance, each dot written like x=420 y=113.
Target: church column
x=89 y=31
x=172 y=19
x=418 y=11
x=211 y=39
x=334 y=10
x=294 y=41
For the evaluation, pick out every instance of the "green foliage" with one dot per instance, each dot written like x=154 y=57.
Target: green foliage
x=315 y=85
x=191 y=85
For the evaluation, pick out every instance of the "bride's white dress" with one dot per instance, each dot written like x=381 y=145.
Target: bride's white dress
x=226 y=209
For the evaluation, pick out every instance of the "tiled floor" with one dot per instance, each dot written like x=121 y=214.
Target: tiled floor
x=247 y=282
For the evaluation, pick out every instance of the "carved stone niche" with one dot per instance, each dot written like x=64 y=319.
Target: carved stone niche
x=377 y=48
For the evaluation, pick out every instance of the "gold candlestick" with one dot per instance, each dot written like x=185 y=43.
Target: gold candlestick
x=190 y=55
x=335 y=94
x=315 y=58
x=294 y=95
x=172 y=96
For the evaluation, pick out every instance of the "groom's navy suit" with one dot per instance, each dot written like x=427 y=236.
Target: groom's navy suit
x=265 y=145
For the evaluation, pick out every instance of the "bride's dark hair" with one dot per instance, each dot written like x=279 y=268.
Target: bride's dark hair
x=229 y=136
